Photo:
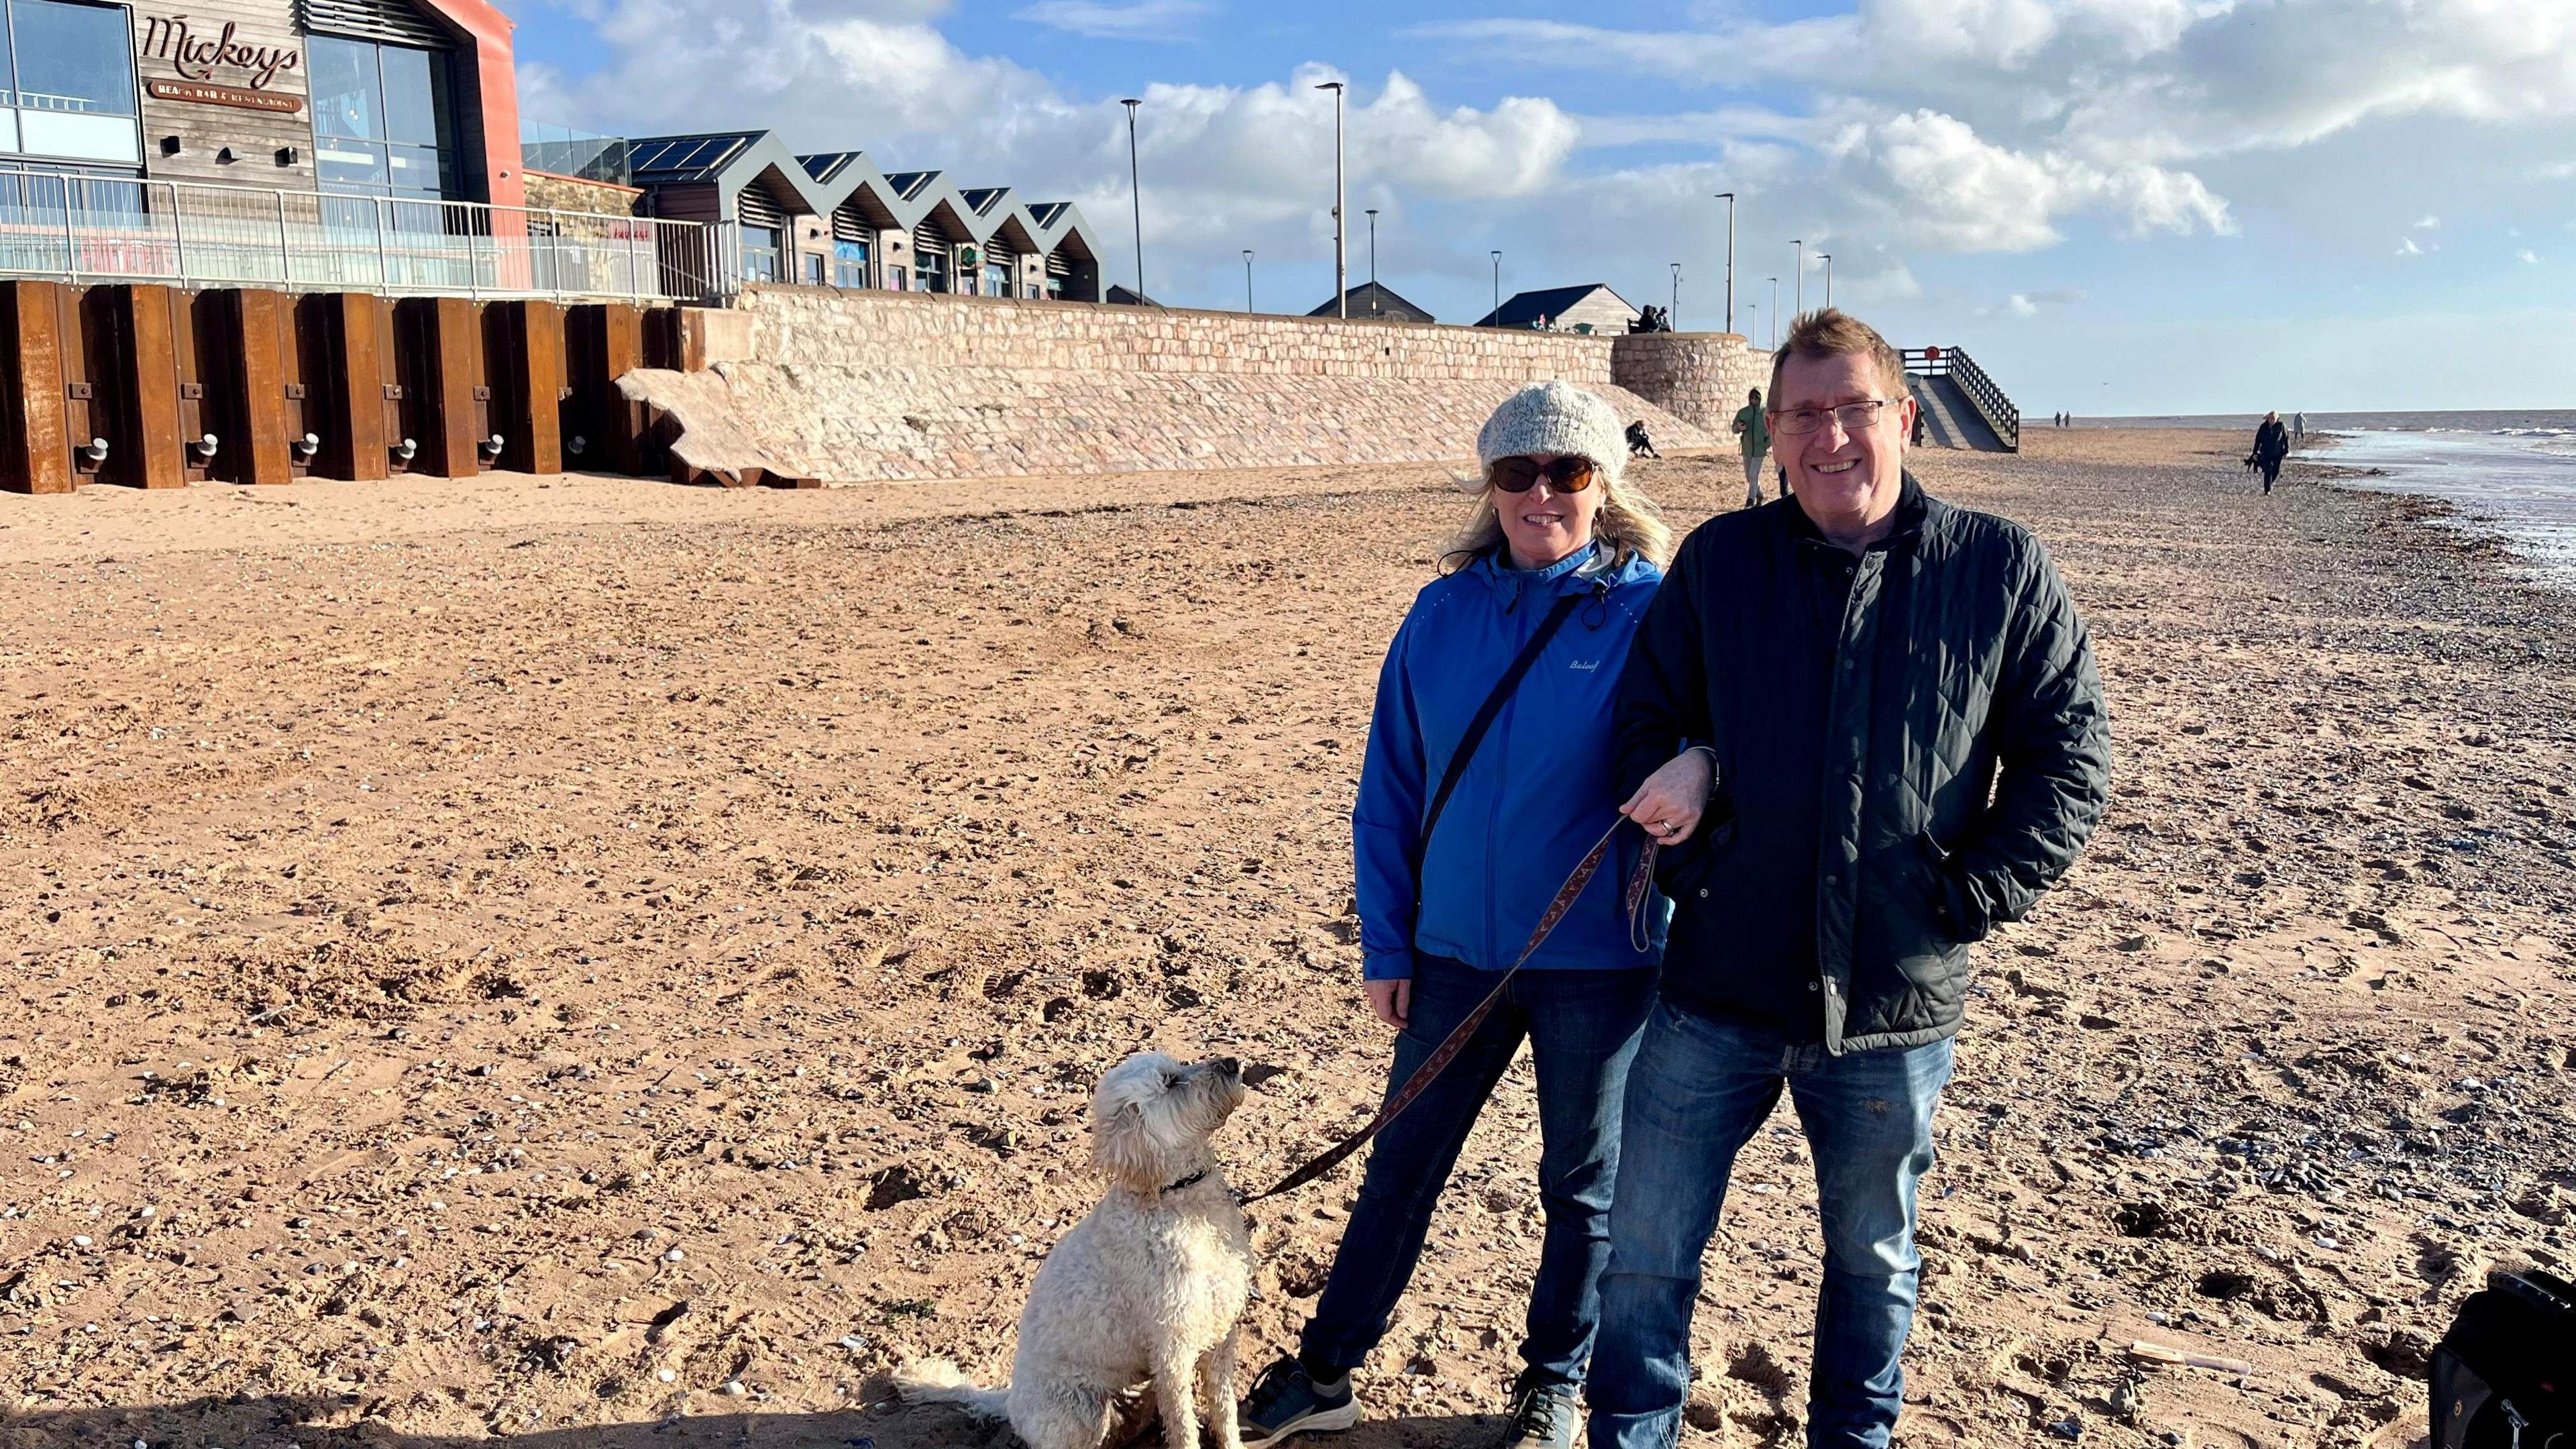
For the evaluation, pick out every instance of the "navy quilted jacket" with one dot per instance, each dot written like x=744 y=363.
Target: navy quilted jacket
x=1966 y=758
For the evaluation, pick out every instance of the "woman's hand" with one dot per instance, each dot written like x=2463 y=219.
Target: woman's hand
x=1392 y=1001
x=1668 y=805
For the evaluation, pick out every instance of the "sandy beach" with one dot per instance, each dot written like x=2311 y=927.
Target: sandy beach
x=621 y=965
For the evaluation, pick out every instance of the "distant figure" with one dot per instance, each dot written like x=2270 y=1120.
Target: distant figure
x=1639 y=445
x=1920 y=414
x=2298 y=428
x=1753 y=435
x=1652 y=319
x=2271 y=445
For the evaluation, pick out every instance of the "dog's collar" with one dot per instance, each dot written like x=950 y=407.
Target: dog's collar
x=1192 y=1180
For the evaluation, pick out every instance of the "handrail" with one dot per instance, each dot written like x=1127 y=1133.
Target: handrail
x=109 y=228
x=1990 y=401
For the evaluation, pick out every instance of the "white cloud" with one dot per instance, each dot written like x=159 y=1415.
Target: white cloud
x=1941 y=185
x=2406 y=247
x=1099 y=20
x=2529 y=257
x=2428 y=223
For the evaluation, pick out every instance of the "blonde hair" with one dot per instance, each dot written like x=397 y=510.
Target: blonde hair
x=1832 y=332
x=1627 y=520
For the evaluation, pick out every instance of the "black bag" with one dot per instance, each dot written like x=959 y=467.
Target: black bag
x=2504 y=1377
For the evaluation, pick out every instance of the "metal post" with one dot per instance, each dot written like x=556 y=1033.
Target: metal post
x=1674 y=317
x=1341 y=201
x=1828 y=259
x=1136 y=195
x=1775 y=314
x=1247 y=281
x=1498 y=289
x=71 y=244
x=384 y=268
x=178 y=231
x=1729 y=198
x=1373 y=301
x=285 y=246
x=1798 y=279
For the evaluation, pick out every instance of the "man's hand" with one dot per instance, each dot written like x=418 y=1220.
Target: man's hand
x=1668 y=805
x=1392 y=1001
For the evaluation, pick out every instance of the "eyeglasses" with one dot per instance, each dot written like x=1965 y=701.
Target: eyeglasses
x=1571 y=473
x=1855 y=417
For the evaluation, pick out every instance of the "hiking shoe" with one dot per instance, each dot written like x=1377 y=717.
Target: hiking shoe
x=1543 y=1415
x=1286 y=1401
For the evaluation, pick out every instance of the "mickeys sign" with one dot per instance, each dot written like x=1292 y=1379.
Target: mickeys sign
x=200 y=59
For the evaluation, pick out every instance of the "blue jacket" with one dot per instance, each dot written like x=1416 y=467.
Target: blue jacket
x=1538 y=791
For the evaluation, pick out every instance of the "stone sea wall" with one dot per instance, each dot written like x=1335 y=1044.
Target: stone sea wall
x=853 y=386
x=1701 y=376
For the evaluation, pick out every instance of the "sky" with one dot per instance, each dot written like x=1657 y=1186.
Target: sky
x=2116 y=206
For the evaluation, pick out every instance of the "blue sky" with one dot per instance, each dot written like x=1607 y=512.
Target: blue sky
x=2118 y=205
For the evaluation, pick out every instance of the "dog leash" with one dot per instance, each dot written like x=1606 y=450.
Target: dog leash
x=1633 y=903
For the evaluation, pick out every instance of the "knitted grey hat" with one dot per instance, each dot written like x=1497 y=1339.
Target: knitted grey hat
x=1555 y=417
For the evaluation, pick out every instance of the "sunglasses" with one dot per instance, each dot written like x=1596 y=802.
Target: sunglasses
x=1568 y=474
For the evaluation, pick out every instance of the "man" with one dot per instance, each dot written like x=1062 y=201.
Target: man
x=1753 y=435
x=1868 y=729
x=2298 y=428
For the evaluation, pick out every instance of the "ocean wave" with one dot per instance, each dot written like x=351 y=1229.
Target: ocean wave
x=2534 y=432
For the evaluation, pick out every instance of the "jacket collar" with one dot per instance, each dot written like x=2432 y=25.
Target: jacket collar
x=1585 y=568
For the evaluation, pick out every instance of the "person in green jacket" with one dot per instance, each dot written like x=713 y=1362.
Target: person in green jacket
x=1753 y=434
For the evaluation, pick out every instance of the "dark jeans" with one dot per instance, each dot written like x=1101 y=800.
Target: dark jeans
x=1582 y=1029
x=1700 y=1089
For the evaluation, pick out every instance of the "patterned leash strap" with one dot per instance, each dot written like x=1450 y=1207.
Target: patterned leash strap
x=1634 y=903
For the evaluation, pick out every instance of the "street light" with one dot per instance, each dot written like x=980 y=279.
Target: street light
x=1247 y=281
x=1729 y=198
x=1828 y=259
x=1775 y=314
x=1675 y=315
x=1798 y=282
x=1136 y=195
x=1498 y=289
x=1341 y=265
x=1372 y=216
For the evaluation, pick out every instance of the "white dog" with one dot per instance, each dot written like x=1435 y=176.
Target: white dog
x=1148 y=1286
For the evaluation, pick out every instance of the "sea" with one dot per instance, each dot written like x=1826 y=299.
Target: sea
x=2512 y=474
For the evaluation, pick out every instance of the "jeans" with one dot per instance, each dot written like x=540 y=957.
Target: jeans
x=1582 y=1028
x=1699 y=1090
x=1753 y=480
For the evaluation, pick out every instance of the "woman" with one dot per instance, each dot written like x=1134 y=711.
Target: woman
x=1555 y=535
x=2271 y=445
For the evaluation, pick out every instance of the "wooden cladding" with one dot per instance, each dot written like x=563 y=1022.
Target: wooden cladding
x=153 y=387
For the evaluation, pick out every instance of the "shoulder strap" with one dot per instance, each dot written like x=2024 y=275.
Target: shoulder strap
x=1566 y=604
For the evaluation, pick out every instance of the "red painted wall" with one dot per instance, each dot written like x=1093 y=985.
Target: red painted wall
x=497 y=86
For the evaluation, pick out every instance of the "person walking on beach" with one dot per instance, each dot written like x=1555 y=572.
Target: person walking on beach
x=2298 y=428
x=1875 y=720
x=1754 y=437
x=1462 y=838
x=2271 y=445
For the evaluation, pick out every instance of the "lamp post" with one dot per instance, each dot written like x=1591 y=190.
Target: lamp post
x=1341 y=255
x=1136 y=195
x=1754 y=309
x=1729 y=198
x=1247 y=281
x=1498 y=289
x=1775 y=314
x=1674 y=316
x=1798 y=277
x=1828 y=259
x=1372 y=216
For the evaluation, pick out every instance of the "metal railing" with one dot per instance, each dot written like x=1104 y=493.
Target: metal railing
x=1992 y=405
x=99 y=229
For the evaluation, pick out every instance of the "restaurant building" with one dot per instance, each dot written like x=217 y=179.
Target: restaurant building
x=407 y=99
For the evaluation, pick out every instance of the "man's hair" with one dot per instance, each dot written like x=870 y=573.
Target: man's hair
x=1834 y=333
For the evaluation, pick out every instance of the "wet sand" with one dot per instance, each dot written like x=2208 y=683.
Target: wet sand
x=621 y=964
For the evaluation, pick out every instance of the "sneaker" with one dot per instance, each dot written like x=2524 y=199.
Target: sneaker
x=1286 y=1401
x=1543 y=1415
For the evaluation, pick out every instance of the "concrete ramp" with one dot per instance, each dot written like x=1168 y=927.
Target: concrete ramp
x=1948 y=419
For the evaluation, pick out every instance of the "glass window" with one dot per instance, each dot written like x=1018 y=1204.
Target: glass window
x=346 y=99
x=412 y=96
x=73 y=57
x=997 y=279
x=897 y=279
x=849 y=264
x=813 y=269
x=760 y=253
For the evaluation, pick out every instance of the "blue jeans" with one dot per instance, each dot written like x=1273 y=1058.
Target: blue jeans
x=1700 y=1089
x=1582 y=1029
